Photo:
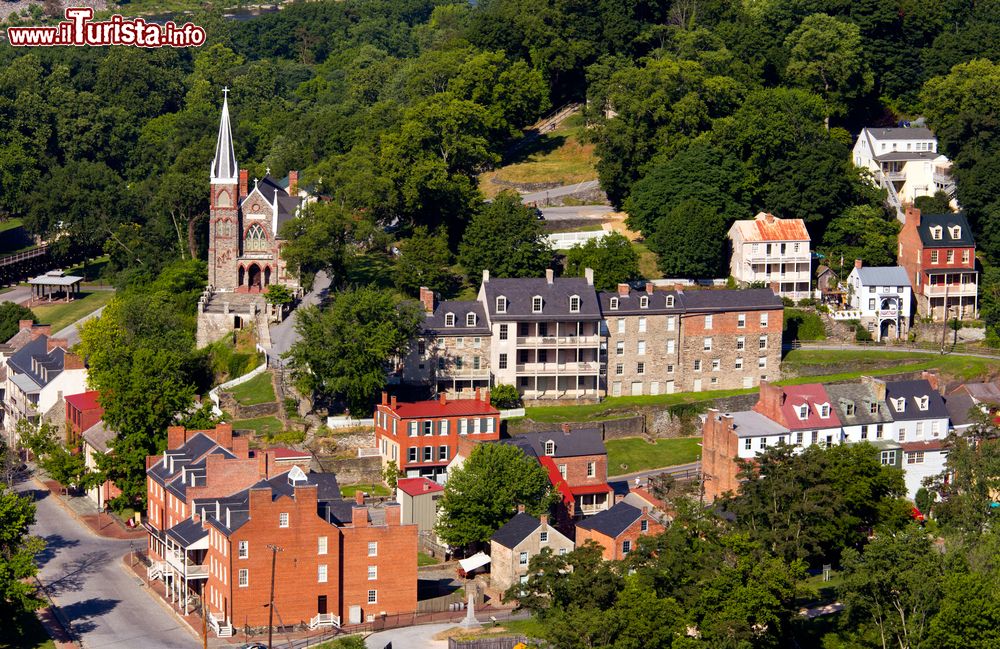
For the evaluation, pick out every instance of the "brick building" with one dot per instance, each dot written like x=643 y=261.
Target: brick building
x=557 y=338
x=617 y=530
x=513 y=545
x=215 y=512
x=422 y=436
x=82 y=412
x=938 y=252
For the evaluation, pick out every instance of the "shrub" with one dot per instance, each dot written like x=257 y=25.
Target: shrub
x=822 y=308
x=803 y=325
x=505 y=397
x=862 y=335
x=807 y=301
x=787 y=301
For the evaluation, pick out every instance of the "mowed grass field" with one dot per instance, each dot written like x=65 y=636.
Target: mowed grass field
x=62 y=314
x=636 y=454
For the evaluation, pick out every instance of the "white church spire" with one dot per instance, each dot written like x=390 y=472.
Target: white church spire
x=224 y=167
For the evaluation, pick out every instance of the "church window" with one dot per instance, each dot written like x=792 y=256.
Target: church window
x=255 y=239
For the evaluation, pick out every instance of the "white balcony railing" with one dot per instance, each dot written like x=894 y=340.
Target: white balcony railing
x=187 y=567
x=554 y=368
x=554 y=341
x=324 y=619
x=464 y=373
x=951 y=290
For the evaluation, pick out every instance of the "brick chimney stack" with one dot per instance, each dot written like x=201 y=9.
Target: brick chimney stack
x=24 y=324
x=912 y=215
x=565 y=428
x=857 y=263
x=244 y=181
x=931 y=377
x=385 y=398
x=359 y=497
x=649 y=288
x=37 y=331
x=392 y=402
x=293 y=183
x=56 y=343
x=623 y=290
x=770 y=401
x=427 y=299
x=444 y=398
x=549 y=275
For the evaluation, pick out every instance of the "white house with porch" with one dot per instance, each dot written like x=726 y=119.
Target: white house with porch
x=882 y=299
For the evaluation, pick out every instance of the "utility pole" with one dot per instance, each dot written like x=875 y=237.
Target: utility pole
x=204 y=624
x=270 y=608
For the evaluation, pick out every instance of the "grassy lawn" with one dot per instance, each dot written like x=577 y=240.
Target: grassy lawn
x=647 y=261
x=13 y=237
x=424 y=559
x=530 y=627
x=26 y=632
x=263 y=426
x=371 y=268
x=63 y=314
x=348 y=491
x=257 y=390
x=557 y=157
x=636 y=454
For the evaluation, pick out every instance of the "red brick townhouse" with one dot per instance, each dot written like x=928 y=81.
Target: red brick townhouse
x=422 y=436
x=618 y=529
x=938 y=252
x=82 y=412
x=219 y=516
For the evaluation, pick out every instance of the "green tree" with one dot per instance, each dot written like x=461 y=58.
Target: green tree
x=893 y=588
x=17 y=556
x=989 y=303
x=826 y=56
x=578 y=579
x=612 y=258
x=279 y=295
x=67 y=468
x=690 y=241
x=39 y=440
x=969 y=612
x=861 y=232
x=505 y=396
x=319 y=240
x=506 y=239
x=345 y=349
x=939 y=203
x=424 y=260
x=11 y=315
x=391 y=474
x=483 y=493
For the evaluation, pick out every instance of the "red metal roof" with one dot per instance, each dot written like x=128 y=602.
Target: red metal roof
x=434 y=408
x=557 y=480
x=583 y=490
x=85 y=400
x=813 y=395
x=418 y=486
x=767 y=227
x=930 y=445
x=285 y=453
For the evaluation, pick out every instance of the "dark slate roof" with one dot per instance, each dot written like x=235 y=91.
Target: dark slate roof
x=891 y=156
x=555 y=298
x=959 y=406
x=327 y=493
x=522 y=443
x=24 y=361
x=434 y=322
x=861 y=396
x=516 y=530
x=192 y=450
x=187 y=532
x=902 y=133
x=629 y=304
x=272 y=191
x=612 y=522
x=581 y=441
x=883 y=276
x=730 y=299
x=911 y=390
x=945 y=221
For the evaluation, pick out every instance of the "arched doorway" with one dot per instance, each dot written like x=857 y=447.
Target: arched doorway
x=242 y=276
x=888 y=330
x=253 y=278
x=267 y=275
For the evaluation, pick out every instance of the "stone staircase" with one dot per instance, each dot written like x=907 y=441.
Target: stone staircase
x=242 y=303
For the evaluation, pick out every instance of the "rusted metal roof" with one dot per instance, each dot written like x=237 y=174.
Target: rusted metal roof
x=768 y=227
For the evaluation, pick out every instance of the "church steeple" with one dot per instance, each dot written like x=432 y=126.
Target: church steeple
x=224 y=167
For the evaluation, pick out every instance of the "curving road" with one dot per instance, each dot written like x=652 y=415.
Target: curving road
x=103 y=603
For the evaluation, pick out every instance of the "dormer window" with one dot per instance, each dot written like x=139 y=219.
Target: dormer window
x=923 y=402
x=824 y=410
x=847 y=407
x=644 y=302
x=470 y=320
x=574 y=304
x=899 y=404
x=550 y=448
x=803 y=411
x=956 y=231
x=670 y=300
x=449 y=319
x=536 y=304
x=613 y=303
x=501 y=304
x=873 y=407
x=936 y=232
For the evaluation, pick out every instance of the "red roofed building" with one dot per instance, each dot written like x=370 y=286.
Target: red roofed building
x=774 y=251
x=805 y=410
x=421 y=437
x=418 y=501
x=82 y=412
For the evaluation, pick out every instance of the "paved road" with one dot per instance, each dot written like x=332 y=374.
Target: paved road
x=576 y=212
x=565 y=190
x=411 y=637
x=879 y=348
x=83 y=574
x=283 y=334
x=17 y=295
x=645 y=475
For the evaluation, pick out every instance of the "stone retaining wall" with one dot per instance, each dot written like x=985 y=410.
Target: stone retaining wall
x=359 y=470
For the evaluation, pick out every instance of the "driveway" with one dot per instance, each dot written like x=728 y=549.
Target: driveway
x=283 y=334
x=577 y=212
x=83 y=574
x=565 y=190
x=410 y=637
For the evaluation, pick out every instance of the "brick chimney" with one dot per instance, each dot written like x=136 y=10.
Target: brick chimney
x=444 y=398
x=912 y=215
x=224 y=435
x=393 y=514
x=244 y=181
x=549 y=275
x=623 y=290
x=241 y=447
x=56 y=343
x=588 y=274
x=931 y=376
x=359 y=497
x=857 y=263
x=649 y=288
x=520 y=509
x=265 y=461
x=392 y=402
x=176 y=436
x=359 y=516
x=37 y=331
x=25 y=324
x=293 y=183
x=385 y=398
x=564 y=427
x=619 y=498
x=72 y=362
x=427 y=299
x=544 y=519
x=770 y=401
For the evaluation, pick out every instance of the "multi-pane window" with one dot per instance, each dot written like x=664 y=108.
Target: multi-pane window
x=619 y=368
x=738 y=364
x=741 y=343
x=470 y=319
x=640 y=347
x=428 y=427
x=442 y=452
x=951 y=256
x=915 y=457
x=640 y=368
x=412 y=454
x=643 y=302
x=741 y=320
x=620 y=348
x=503 y=331
x=243 y=578
x=321 y=573
x=716 y=364
x=670 y=320
x=536 y=304
x=763 y=319
x=244 y=549
x=501 y=304
x=626 y=547
x=670 y=368
x=428 y=453
x=321 y=545
x=443 y=427
x=613 y=303
x=449 y=319
x=543 y=537
x=762 y=342
x=522 y=559
x=697 y=365
x=591 y=469
x=642 y=325
x=255 y=238
x=888 y=457
x=503 y=361
x=574 y=304
x=372 y=573
x=747 y=443
x=373 y=597
x=283 y=519
x=762 y=362
x=644 y=526
x=934 y=256
x=621 y=325
x=707 y=344
x=671 y=346
x=373 y=548
x=708 y=322
x=798 y=438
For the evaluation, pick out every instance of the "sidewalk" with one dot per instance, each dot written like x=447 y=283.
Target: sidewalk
x=85 y=510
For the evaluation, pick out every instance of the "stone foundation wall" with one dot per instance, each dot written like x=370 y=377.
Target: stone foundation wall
x=355 y=470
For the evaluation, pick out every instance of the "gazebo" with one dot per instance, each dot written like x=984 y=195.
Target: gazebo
x=53 y=283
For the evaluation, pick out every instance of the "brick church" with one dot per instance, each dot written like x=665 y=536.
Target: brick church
x=244 y=250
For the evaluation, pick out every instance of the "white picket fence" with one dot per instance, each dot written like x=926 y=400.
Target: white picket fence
x=566 y=240
x=213 y=394
x=343 y=421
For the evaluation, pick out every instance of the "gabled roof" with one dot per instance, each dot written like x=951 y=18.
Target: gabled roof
x=766 y=227
x=629 y=304
x=959 y=406
x=418 y=486
x=434 y=323
x=35 y=356
x=910 y=391
x=434 y=408
x=612 y=522
x=946 y=222
x=882 y=276
x=516 y=530
x=730 y=299
x=187 y=532
x=861 y=396
x=555 y=298
x=576 y=442
x=85 y=401
x=901 y=133
x=814 y=396
x=749 y=423
x=982 y=392
x=99 y=436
